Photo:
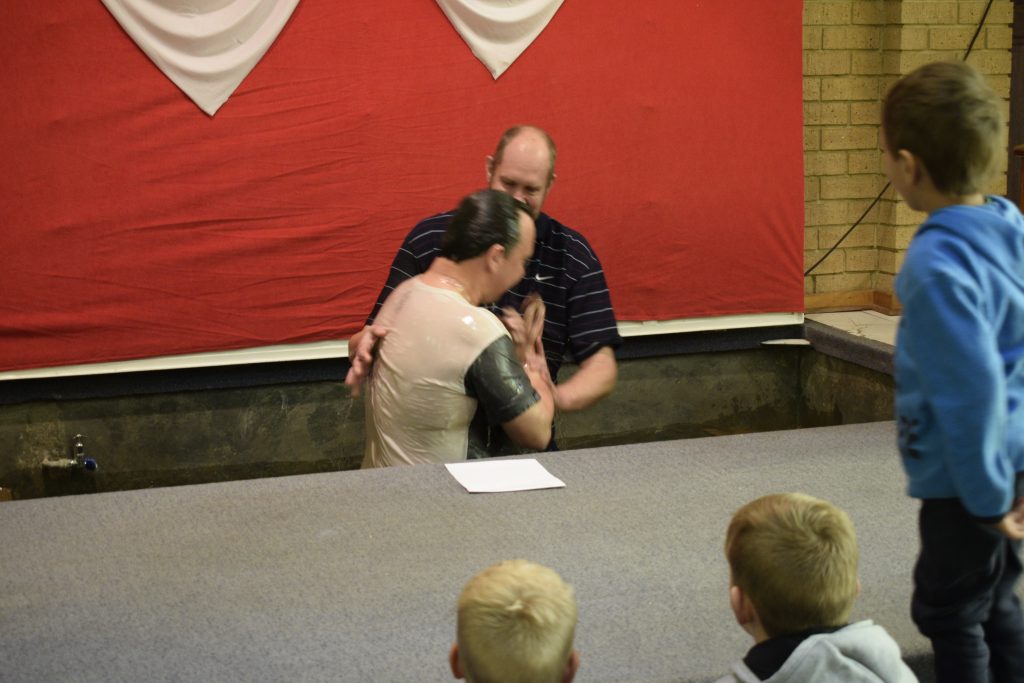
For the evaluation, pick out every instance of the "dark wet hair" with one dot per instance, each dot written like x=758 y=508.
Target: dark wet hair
x=483 y=219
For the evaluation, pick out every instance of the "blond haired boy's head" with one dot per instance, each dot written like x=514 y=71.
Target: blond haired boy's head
x=945 y=115
x=794 y=557
x=516 y=622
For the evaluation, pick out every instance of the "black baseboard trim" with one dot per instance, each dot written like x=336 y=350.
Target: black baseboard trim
x=84 y=387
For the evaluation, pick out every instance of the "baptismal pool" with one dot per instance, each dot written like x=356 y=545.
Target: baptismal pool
x=150 y=431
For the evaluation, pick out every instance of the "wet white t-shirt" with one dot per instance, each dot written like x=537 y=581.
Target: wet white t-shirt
x=418 y=407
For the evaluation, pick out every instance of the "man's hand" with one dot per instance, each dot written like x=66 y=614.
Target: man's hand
x=361 y=349
x=532 y=428
x=525 y=328
x=536 y=361
x=1012 y=525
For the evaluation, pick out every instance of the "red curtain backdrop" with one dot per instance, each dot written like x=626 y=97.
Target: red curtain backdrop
x=136 y=226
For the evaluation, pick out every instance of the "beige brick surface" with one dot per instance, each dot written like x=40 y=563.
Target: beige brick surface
x=812 y=113
x=835 y=113
x=812 y=138
x=887 y=261
x=891 y=66
x=812 y=37
x=840 y=212
x=825 y=163
x=887 y=236
x=849 y=137
x=900 y=257
x=884 y=282
x=810 y=238
x=1000 y=13
x=998 y=37
x=893 y=11
x=907 y=216
x=826 y=62
x=811 y=188
x=950 y=37
x=823 y=12
x=853 y=52
x=997 y=185
x=914 y=12
x=843 y=282
x=812 y=89
x=904 y=233
x=867 y=161
x=834 y=263
x=849 y=88
x=865 y=113
x=860 y=260
x=905 y=38
x=850 y=186
x=865 y=62
x=869 y=12
x=851 y=38
x=886 y=211
x=864 y=235
x=884 y=84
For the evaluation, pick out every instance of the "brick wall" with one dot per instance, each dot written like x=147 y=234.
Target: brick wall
x=853 y=50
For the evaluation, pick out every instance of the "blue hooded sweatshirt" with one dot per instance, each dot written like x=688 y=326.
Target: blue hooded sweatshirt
x=959 y=364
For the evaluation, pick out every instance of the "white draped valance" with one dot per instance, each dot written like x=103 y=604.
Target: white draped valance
x=206 y=47
x=497 y=31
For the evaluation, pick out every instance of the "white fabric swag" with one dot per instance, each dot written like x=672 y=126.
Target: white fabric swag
x=498 y=31
x=206 y=47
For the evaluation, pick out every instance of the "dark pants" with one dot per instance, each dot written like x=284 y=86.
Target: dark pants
x=964 y=597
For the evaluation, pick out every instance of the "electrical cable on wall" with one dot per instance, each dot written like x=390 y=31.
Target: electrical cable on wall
x=970 y=46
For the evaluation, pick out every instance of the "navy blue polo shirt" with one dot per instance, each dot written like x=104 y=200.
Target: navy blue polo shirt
x=564 y=270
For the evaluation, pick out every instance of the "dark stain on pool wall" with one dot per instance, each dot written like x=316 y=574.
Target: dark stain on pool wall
x=192 y=437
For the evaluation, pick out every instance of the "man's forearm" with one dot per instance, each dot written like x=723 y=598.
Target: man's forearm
x=593 y=381
x=545 y=389
x=532 y=428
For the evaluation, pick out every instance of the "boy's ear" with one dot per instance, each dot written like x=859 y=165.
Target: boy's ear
x=744 y=611
x=910 y=166
x=740 y=605
x=571 y=667
x=453 y=662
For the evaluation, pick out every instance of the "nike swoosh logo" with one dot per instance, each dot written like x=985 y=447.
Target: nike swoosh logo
x=538 y=278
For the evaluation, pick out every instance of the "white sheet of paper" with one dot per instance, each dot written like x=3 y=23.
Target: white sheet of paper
x=495 y=476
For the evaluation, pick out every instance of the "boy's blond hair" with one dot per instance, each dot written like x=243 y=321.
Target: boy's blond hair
x=516 y=622
x=947 y=116
x=795 y=558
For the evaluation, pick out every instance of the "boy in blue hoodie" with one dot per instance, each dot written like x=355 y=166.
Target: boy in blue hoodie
x=959 y=370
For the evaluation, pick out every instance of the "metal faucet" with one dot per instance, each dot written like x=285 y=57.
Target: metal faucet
x=78 y=454
x=77 y=461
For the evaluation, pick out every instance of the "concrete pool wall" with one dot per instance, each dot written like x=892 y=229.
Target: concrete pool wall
x=161 y=431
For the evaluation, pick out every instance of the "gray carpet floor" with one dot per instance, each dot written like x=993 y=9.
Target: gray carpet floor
x=352 y=576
